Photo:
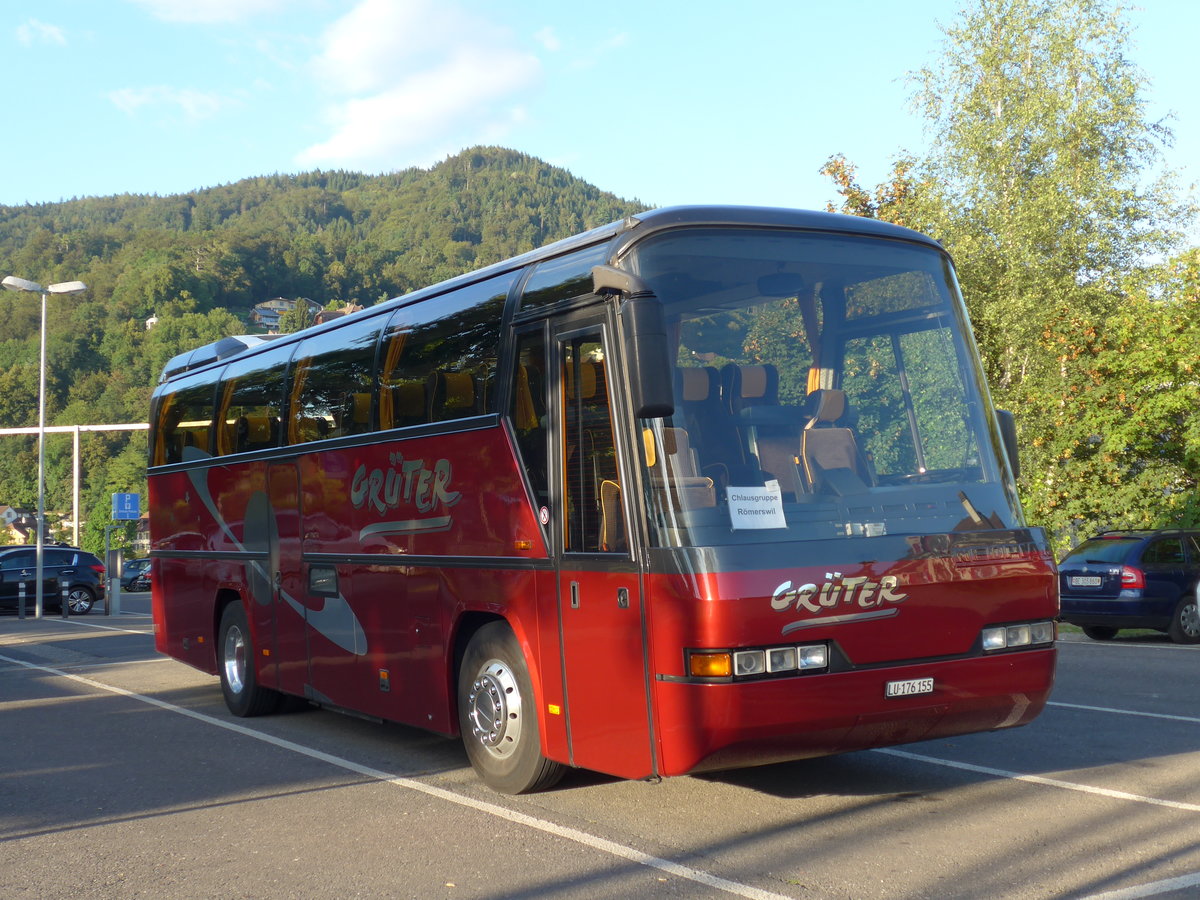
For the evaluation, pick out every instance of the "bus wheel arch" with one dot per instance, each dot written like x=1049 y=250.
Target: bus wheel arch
x=497 y=712
x=236 y=654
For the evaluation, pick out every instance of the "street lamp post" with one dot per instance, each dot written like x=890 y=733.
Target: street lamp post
x=13 y=283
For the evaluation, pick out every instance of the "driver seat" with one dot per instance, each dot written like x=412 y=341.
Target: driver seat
x=829 y=450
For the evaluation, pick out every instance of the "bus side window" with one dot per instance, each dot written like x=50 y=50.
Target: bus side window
x=251 y=406
x=592 y=482
x=439 y=356
x=184 y=421
x=333 y=383
x=529 y=412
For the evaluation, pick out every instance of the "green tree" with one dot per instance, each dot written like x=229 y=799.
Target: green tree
x=1041 y=176
x=1125 y=428
x=179 y=329
x=295 y=319
x=1044 y=180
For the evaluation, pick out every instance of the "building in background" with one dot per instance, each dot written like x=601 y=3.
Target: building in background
x=268 y=313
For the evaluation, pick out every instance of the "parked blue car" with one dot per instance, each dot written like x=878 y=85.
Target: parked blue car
x=135 y=575
x=1133 y=579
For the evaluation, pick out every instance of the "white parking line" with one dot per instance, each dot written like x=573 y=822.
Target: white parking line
x=1121 y=645
x=100 y=627
x=571 y=834
x=1150 y=889
x=1127 y=712
x=1038 y=779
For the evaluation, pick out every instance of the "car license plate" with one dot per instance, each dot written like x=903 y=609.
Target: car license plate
x=1086 y=581
x=908 y=687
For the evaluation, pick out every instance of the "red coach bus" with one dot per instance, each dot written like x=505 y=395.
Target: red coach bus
x=705 y=488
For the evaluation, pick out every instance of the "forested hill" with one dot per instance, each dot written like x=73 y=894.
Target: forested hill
x=200 y=261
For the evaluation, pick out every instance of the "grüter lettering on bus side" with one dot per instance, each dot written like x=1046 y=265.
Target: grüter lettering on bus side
x=405 y=481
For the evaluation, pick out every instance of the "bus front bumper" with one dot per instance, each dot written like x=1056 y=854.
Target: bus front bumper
x=704 y=727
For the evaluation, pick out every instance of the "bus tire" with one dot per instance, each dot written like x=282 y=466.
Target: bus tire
x=235 y=659
x=1185 y=621
x=497 y=717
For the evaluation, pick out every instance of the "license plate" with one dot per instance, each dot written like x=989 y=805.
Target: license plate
x=1086 y=581
x=909 y=687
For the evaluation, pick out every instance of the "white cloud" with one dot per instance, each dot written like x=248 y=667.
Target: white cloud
x=34 y=32
x=195 y=105
x=601 y=52
x=548 y=39
x=416 y=76
x=208 y=12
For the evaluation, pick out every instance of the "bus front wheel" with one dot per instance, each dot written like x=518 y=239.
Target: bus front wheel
x=497 y=717
x=239 y=682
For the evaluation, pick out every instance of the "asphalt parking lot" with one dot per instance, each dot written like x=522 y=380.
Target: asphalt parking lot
x=126 y=777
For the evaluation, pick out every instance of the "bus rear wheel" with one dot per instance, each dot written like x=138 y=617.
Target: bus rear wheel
x=239 y=683
x=497 y=717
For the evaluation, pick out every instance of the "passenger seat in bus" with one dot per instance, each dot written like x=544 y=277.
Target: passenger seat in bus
x=672 y=468
x=195 y=437
x=452 y=395
x=745 y=387
x=771 y=432
x=255 y=433
x=308 y=428
x=525 y=414
x=720 y=452
x=408 y=405
x=828 y=447
x=356 y=418
x=592 y=393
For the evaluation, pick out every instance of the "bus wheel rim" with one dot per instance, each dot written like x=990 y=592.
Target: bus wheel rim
x=494 y=709
x=235 y=660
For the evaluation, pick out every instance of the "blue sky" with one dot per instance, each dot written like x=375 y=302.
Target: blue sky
x=666 y=102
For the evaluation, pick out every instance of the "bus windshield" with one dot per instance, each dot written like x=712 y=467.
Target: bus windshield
x=826 y=386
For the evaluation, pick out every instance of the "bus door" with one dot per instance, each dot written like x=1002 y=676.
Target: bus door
x=290 y=645
x=601 y=609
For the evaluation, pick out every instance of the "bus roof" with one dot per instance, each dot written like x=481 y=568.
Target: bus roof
x=629 y=228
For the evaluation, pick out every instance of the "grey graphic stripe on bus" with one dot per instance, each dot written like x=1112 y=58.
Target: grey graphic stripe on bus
x=335 y=621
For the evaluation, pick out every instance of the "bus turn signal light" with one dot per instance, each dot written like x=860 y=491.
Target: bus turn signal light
x=758 y=662
x=710 y=665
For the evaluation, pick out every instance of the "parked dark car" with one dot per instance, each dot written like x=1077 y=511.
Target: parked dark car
x=135 y=574
x=79 y=571
x=1133 y=579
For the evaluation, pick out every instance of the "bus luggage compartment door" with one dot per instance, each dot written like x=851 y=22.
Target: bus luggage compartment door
x=605 y=674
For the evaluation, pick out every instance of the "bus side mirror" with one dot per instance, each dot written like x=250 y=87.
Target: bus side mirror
x=1008 y=434
x=644 y=334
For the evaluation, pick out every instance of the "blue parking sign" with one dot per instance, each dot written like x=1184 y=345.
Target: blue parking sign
x=126 y=506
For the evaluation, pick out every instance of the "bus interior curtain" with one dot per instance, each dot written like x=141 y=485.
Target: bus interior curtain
x=161 y=436
x=808 y=312
x=225 y=426
x=389 y=377
x=296 y=433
